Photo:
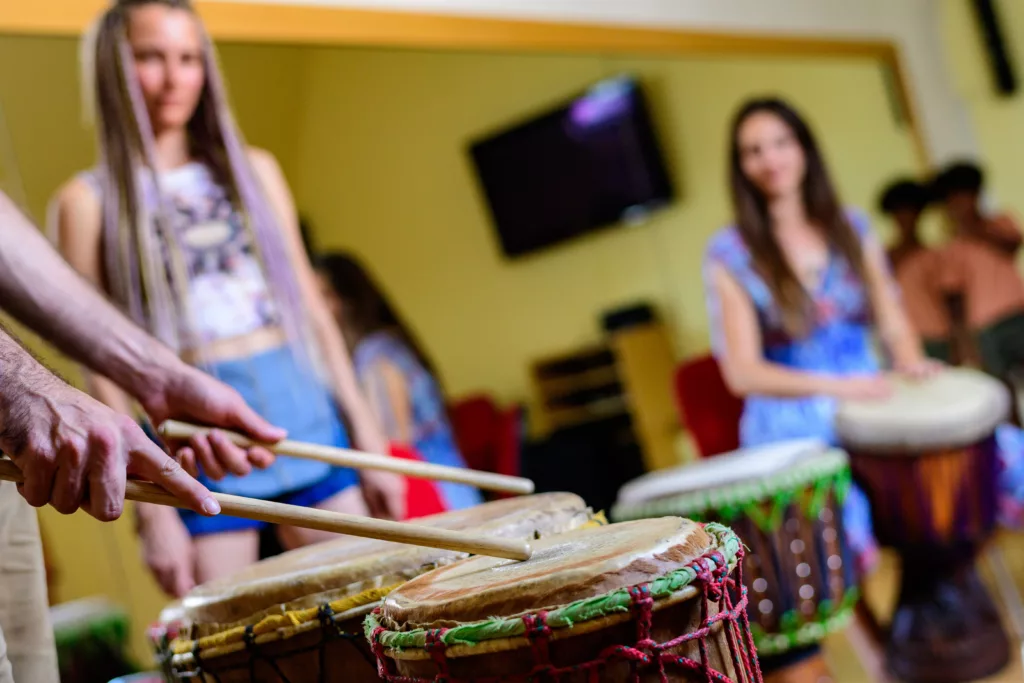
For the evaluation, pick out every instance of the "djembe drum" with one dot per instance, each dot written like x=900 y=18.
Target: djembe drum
x=926 y=458
x=784 y=502
x=644 y=601
x=297 y=617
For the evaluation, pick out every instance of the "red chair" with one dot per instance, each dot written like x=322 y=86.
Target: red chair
x=421 y=495
x=706 y=406
x=488 y=437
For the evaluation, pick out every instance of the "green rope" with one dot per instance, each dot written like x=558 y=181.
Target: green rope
x=616 y=602
x=793 y=633
x=827 y=472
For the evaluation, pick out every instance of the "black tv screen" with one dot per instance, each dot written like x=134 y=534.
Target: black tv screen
x=588 y=164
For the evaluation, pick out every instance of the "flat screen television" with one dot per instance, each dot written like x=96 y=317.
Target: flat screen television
x=590 y=163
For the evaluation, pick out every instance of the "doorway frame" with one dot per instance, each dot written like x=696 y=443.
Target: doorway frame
x=258 y=22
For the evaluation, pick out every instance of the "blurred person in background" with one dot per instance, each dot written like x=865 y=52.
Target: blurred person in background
x=916 y=267
x=979 y=272
x=394 y=371
x=796 y=289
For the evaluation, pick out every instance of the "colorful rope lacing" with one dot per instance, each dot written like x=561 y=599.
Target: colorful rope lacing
x=645 y=656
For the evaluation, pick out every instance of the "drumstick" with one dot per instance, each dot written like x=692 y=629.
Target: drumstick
x=345 y=457
x=323 y=520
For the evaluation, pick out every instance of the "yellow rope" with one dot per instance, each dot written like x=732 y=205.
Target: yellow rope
x=296 y=618
x=277 y=621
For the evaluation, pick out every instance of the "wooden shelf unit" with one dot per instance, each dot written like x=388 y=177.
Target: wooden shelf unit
x=629 y=375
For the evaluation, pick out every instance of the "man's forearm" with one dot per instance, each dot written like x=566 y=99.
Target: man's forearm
x=42 y=291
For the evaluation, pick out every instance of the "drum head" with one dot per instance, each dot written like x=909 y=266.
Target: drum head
x=566 y=568
x=326 y=572
x=728 y=470
x=955 y=408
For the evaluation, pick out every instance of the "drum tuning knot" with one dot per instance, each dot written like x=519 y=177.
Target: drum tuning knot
x=249 y=638
x=326 y=616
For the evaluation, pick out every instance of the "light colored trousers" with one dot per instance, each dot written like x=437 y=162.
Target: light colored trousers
x=29 y=654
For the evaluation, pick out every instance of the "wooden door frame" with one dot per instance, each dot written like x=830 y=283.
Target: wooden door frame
x=319 y=25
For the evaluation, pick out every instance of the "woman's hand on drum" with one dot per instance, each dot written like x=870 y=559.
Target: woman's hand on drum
x=921 y=368
x=861 y=387
x=167 y=548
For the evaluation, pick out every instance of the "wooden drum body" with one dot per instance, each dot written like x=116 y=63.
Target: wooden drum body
x=653 y=600
x=298 y=617
x=784 y=502
x=927 y=461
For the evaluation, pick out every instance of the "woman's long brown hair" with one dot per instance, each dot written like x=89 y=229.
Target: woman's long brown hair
x=821 y=203
x=365 y=307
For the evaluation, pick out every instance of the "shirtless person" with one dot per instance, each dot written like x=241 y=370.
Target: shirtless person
x=915 y=266
x=979 y=270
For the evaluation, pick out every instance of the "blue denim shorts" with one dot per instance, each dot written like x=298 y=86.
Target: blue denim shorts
x=288 y=396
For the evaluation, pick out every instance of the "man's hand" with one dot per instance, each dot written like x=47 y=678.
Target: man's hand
x=73 y=451
x=182 y=392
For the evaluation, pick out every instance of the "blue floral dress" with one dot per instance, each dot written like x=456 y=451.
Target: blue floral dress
x=841 y=342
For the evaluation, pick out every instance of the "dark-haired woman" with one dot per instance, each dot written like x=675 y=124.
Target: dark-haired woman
x=797 y=289
x=395 y=373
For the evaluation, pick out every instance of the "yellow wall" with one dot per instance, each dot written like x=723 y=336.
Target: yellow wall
x=998 y=120
x=373 y=142
x=382 y=170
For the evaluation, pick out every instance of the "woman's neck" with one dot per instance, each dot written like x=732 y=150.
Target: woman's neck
x=172 y=149
x=787 y=210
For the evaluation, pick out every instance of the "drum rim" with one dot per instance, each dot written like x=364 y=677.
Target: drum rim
x=833 y=462
x=508 y=632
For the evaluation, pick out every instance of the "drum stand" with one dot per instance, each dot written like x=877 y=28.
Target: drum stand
x=1008 y=593
x=946 y=628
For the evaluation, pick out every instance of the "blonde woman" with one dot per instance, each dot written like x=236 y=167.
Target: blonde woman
x=196 y=236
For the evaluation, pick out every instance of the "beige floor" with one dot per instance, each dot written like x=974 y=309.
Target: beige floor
x=881 y=590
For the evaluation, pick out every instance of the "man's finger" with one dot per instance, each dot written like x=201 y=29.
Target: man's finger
x=38 y=487
x=228 y=455
x=186 y=457
x=204 y=455
x=260 y=458
x=161 y=469
x=68 y=487
x=106 y=480
x=248 y=421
